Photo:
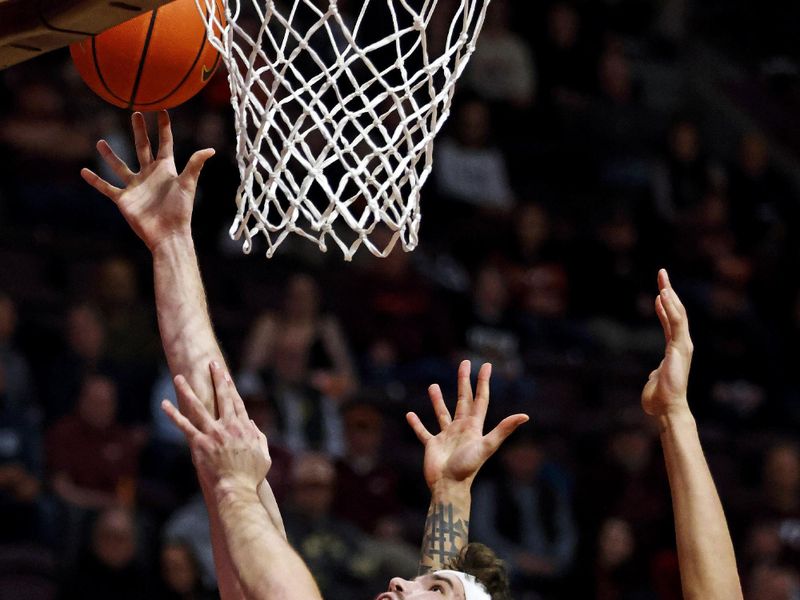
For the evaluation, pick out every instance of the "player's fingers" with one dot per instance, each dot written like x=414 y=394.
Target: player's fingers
x=181 y=422
x=481 y=404
x=221 y=391
x=191 y=171
x=100 y=184
x=439 y=407
x=143 y=150
x=675 y=296
x=505 y=428
x=423 y=435
x=662 y=317
x=663 y=279
x=238 y=404
x=676 y=314
x=192 y=408
x=164 y=135
x=464 y=404
x=114 y=162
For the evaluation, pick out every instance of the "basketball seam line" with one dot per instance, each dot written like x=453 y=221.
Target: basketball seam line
x=139 y=71
x=188 y=72
x=96 y=63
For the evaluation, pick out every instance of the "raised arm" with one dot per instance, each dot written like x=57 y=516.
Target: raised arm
x=452 y=460
x=705 y=551
x=231 y=458
x=157 y=203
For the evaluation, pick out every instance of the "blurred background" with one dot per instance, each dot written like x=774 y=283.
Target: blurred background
x=590 y=144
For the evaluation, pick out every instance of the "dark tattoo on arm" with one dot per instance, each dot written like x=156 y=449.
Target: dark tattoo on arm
x=445 y=536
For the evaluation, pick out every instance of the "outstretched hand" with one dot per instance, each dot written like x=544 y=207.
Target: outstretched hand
x=665 y=390
x=230 y=449
x=459 y=450
x=156 y=201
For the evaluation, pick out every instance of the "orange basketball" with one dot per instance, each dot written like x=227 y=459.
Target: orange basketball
x=157 y=60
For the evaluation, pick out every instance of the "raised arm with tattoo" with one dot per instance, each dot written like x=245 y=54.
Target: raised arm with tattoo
x=157 y=203
x=231 y=457
x=452 y=460
x=705 y=551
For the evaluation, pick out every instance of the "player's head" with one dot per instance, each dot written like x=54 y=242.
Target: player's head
x=477 y=574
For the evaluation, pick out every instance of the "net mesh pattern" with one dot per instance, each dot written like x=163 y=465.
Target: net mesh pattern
x=337 y=103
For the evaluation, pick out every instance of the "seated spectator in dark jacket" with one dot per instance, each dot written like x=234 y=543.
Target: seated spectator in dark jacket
x=526 y=515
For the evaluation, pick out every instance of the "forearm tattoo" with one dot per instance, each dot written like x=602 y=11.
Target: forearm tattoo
x=445 y=535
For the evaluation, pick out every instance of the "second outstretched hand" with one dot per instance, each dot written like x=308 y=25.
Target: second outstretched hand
x=664 y=393
x=459 y=450
x=229 y=450
x=156 y=200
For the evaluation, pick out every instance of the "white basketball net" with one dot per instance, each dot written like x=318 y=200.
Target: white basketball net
x=335 y=118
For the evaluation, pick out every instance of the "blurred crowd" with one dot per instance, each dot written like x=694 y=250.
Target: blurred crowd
x=567 y=175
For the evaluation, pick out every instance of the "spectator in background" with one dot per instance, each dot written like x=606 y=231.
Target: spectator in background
x=21 y=500
x=366 y=485
x=85 y=352
x=777 y=503
x=621 y=128
x=131 y=326
x=620 y=573
x=564 y=58
x=109 y=567
x=526 y=516
x=307 y=419
x=18 y=386
x=331 y=548
x=399 y=319
x=501 y=71
x=189 y=526
x=628 y=481
x=684 y=175
x=759 y=208
x=180 y=575
x=41 y=137
x=470 y=168
x=92 y=459
x=489 y=329
x=302 y=328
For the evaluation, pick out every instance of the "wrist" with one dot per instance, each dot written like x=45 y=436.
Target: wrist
x=175 y=240
x=449 y=488
x=675 y=419
x=234 y=488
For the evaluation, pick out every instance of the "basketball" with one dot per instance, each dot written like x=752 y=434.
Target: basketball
x=155 y=61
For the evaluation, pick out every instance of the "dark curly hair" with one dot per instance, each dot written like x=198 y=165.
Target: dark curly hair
x=482 y=563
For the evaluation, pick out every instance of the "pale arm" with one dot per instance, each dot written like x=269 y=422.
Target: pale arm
x=452 y=460
x=267 y=566
x=705 y=550
x=229 y=454
x=157 y=203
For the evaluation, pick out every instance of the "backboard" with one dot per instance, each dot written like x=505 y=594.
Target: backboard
x=29 y=28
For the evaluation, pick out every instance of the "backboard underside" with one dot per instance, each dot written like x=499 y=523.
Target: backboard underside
x=30 y=28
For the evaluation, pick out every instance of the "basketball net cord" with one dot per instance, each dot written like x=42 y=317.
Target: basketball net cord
x=335 y=123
